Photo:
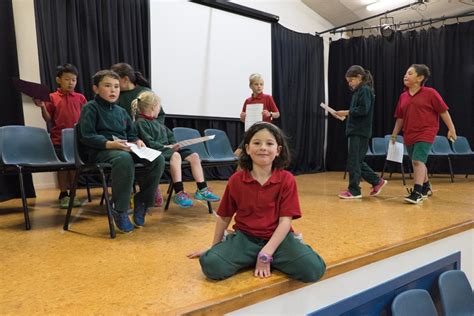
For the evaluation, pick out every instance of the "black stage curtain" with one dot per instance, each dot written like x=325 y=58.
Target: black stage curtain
x=449 y=53
x=92 y=35
x=298 y=89
x=10 y=100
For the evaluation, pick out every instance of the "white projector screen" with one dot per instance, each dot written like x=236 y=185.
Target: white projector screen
x=201 y=58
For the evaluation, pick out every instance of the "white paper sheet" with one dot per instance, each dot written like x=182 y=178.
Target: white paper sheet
x=147 y=153
x=332 y=111
x=395 y=152
x=193 y=141
x=144 y=152
x=253 y=114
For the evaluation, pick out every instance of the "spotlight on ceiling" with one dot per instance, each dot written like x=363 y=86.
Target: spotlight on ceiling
x=387 y=31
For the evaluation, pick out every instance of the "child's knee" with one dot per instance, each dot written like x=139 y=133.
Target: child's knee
x=123 y=160
x=214 y=267
x=310 y=268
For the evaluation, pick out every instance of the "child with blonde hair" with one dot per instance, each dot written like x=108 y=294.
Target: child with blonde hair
x=156 y=135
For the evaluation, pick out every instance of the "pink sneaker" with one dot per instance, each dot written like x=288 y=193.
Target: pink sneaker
x=348 y=195
x=376 y=189
x=158 y=198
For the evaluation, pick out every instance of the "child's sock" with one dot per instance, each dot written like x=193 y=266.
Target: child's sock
x=62 y=194
x=201 y=185
x=178 y=186
x=418 y=188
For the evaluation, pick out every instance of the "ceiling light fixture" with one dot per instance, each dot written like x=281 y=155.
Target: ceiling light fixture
x=385 y=4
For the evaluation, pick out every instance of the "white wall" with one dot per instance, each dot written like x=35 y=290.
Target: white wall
x=25 y=29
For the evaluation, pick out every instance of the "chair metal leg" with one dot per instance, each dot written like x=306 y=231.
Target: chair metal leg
x=23 y=199
x=88 y=188
x=109 y=207
x=383 y=170
x=209 y=207
x=71 y=200
x=451 y=169
x=403 y=173
x=169 y=195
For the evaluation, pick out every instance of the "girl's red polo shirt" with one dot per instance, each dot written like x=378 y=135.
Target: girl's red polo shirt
x=257 y=207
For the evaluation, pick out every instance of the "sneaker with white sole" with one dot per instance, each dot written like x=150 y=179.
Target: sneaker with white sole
x=415 y=197
x=376 y=189
x=348 y=195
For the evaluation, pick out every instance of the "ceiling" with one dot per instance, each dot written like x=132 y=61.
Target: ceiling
x=341 y=12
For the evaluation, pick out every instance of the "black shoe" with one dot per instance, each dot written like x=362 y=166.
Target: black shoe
x=415 y=197
x=426 y=191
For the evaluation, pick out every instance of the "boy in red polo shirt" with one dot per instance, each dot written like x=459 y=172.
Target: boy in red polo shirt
x=418 y=111
x=264 y=199
x=63 y=112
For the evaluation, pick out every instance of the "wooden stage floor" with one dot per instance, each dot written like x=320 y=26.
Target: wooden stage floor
x=83 y=271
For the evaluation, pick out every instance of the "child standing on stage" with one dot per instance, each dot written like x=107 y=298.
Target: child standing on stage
x=61 y=112
x=358 y=132
x=264 y=199
x=270 y=110
x=157 y=136
x=101 y=121
x=418 y=111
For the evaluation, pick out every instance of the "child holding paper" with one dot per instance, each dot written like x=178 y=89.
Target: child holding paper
x=101 y=120
x=157 y=136
x=61 y=112
x=270 y=110
x=418 y=111
x=358 y=132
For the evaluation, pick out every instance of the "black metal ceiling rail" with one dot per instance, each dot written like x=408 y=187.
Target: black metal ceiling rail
x=231 y=7
x=411 y=24
x=334 y=29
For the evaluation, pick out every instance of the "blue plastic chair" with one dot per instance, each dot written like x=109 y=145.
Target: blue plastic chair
x=416 y=302
x=219 y=147
x=88 y=168
x=27 y=150
x=387 y=139
x=456 y=294
x=462 y=149
x=67 y=146
x=441 y=149
x=184 y=133
x=379 y=147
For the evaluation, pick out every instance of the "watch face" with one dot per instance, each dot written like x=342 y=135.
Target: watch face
x=263 y=258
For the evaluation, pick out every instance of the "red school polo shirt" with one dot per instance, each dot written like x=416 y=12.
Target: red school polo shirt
x=257 y=207
x=420 y=114
x=266 y=100
x=64 y=109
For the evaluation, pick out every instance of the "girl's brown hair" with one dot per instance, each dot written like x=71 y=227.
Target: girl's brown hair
x=281 y=161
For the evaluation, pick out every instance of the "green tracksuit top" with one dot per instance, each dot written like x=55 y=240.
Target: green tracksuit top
x=153 y=133
x=100 y=121
x=361 y=112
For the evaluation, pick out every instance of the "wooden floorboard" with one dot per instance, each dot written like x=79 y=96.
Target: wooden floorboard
x=50 y=271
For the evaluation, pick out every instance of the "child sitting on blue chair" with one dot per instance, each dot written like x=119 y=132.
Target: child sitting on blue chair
x=158 y=136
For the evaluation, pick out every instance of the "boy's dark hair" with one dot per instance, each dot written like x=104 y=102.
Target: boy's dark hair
x=422 y=70
x=66 y=68
x=356 y=70
x=124 y=69
x=101 y=74
x=281 y=161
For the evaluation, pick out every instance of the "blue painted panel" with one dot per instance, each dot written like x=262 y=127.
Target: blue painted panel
x=377 y=300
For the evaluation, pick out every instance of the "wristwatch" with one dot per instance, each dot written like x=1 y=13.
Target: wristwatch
x=271 y=114
x=264 y=258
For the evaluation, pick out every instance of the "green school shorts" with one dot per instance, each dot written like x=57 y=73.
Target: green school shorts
x=419 y=151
